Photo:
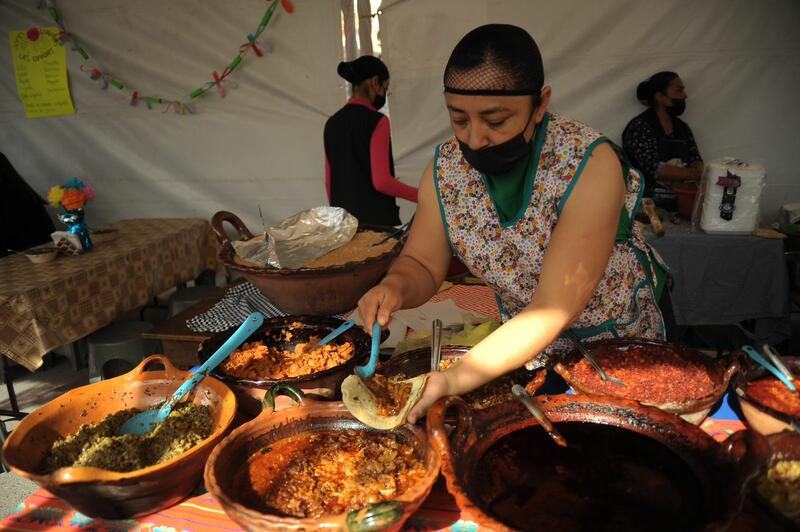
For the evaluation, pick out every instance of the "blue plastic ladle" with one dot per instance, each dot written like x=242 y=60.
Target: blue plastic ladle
x=367 y=371
x=145 y=422
x=755 y=355
x=336 y=332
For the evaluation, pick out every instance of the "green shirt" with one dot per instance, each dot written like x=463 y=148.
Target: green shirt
x=508 y=190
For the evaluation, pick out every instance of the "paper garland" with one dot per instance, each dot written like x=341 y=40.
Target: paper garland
x=181 y=107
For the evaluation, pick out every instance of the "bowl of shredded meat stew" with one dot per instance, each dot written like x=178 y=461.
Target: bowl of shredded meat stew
x=768 y=405
x=330 y=284
x=673 y=378
x=284 y=351
x=778 y=487
x=314 y=466
x=70 y=445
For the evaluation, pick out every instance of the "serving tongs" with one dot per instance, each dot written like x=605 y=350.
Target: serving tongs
x=588 y=356
x=777 y=367
x=436 y=345
x=400 y=230
x=530 y=403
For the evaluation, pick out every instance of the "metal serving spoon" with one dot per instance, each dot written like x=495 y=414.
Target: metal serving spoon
x=146 y=421
x=402 y=229
x=588 y=356
x=520 y=393
x=436 y=344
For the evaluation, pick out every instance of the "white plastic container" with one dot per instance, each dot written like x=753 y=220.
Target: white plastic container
x=744 y=216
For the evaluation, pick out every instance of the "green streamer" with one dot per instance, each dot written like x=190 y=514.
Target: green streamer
x=197 y=93
x=117 y=84
x=55 y=14
x=154 y=100
x=82 y=53
x=266 y=18
x=235 y=63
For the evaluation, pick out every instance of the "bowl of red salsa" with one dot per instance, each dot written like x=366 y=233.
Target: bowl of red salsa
x=673 y=378
x=767 y=404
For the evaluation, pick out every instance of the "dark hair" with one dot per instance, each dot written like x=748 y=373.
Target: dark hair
x=495 y=59
x=363 y=68
x=646 y=90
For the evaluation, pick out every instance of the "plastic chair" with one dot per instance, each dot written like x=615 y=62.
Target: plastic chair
x=117 y=348
x=184 y=298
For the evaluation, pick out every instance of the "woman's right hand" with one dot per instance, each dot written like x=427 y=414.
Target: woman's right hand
x=380 y=302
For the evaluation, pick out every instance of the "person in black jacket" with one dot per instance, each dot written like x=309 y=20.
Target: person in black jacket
x=359 y=169
x=23 y=218
x=659 y=143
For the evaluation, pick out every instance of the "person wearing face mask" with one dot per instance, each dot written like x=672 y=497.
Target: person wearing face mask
x=659 y=143
x=538 y=205
x=359 y=169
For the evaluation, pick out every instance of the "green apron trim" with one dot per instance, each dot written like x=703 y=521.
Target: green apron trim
x=540 y=136
x=574 y=181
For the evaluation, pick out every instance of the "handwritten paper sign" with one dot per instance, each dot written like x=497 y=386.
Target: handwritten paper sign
x=40 y=65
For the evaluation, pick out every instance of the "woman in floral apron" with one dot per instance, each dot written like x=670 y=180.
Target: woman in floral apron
x=538 y=205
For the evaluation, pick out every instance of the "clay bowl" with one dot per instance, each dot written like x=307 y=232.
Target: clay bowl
x=692 y=410
x=418 y=361
x=321 y=385
x=106 y=494
x=784 y=446
x=42 y=255
x=759 y=417
x=317 y=291
x=307 y=417
x=626 y=467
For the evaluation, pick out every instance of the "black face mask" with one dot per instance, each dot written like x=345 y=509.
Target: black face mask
x=498 y=159
x=379 y=101
x=678 y=106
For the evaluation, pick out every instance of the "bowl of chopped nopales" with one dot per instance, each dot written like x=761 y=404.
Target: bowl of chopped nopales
x=71 y=448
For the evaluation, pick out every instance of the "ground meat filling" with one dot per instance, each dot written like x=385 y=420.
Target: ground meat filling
x=781 y=487
x=773 y=394
x=97 y=445
x=390 y=394
x=651 y=374
x=259 y=361
x=329 y=473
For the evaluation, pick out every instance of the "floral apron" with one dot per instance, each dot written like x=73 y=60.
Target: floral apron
x=508 y=256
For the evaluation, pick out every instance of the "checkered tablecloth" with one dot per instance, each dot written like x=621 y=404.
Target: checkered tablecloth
x=44 y=306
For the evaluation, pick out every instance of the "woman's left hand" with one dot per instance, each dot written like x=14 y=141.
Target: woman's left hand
x=436 y=386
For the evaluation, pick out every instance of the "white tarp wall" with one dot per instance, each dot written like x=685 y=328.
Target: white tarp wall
x=263 y=143
x=740 y=60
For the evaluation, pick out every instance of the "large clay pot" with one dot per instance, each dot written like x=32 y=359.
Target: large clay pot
x=320 y=385
x=692 y=410
x=307 y=417
x=624 y=461
x=759 y=417
x=107 y=494
x=318 y=292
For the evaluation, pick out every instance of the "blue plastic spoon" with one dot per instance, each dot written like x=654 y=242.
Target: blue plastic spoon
x=145 y=422
x=752 y=353
x=367 y=371
x=336 y=332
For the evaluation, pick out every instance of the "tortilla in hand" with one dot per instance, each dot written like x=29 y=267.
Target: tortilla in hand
x=382 y=403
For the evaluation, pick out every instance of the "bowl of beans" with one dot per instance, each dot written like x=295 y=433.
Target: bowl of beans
x=768 y=405
x=673 y=378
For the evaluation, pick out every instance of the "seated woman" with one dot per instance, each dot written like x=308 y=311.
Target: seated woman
x=659 y=143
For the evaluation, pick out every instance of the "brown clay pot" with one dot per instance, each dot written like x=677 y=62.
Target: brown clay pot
x=317 y=292
x=498 y=461
x=307 y=417
x=107 y=494
x=320 y=385
x=418 y=361
x=759 y=417
x=694 y=411
x=784 y=446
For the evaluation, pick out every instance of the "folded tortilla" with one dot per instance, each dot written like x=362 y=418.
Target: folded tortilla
x=361 y=403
